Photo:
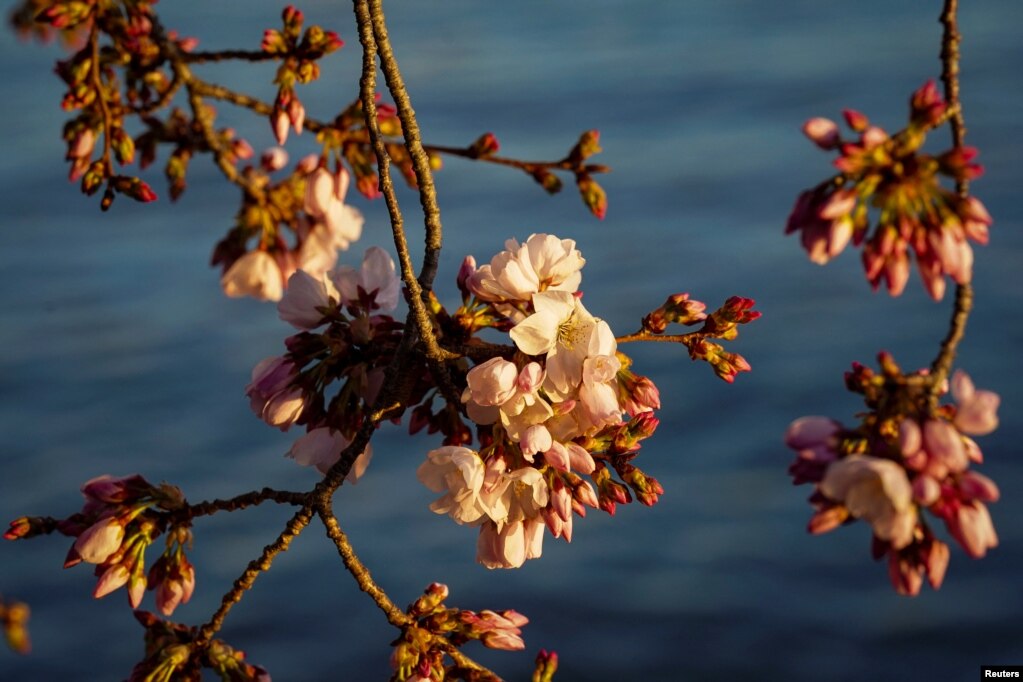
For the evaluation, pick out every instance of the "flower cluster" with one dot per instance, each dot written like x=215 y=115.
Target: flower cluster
x=14 y=623
x=121 y=518
x=345 y=337
x=418 y=654
x=299 y=55
x=171 y=655
x=904 y=457
x=310 y=204
x=915 y=212
x=564 y=406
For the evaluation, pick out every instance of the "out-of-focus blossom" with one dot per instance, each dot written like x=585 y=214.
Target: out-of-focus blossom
x=321 y=448
x=255 y=274
x=977 y=412
x=877 y=491
x=271 y=395
x=306 y=297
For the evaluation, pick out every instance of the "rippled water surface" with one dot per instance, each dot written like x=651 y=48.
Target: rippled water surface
x=119 y=355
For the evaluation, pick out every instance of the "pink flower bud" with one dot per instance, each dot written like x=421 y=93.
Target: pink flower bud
x=558 y=457
x=580 y=458
x=910 y=437
x=926 y=490
x=822 y=132
x=113 y=578
x=274 y=159
x=974 y=486
x=811 y=433
x=840 y=203
x=936 y=557
x=535 y=439
x=279 y=124
x=308 y=163
x=855 y=120
x=972 y=528
x=944 y=445
x=100 y=540
x=296 y=114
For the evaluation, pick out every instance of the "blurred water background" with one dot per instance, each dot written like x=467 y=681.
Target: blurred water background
x=120 y=355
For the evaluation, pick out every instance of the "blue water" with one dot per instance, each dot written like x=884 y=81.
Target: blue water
x=119 y=354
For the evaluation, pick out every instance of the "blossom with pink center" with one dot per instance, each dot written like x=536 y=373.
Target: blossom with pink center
x=543 y=262
x=376 y=278
x=255 y=274
x=305 y=298
x=458 y=473
x=321 y=448
x=564 y=331
x=877 y=491
x=977 y=412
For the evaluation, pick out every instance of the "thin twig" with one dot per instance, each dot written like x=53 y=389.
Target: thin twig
x=244 y=582
x=224 y=55
x=239 y=502
x=101 y=99
x=395 y=616
x=942 y=364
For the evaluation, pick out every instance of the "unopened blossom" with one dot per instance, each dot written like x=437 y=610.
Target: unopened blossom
x=977 y=411
x=877 y=491
x=598 y=399
x=306 y=296
x=564 y=331
x=500 y=630
x=321 y=448
x=972 y=528
x=544 y=262
x=510 y=546
x=100 y=540
x=458 y=473
x=255 y=274
x=492 y=383
x=377 y=278
x=274 y=159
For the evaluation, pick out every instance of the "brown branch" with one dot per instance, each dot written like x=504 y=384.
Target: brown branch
x=644 y=335
x=244 y=582
x=239 y=502
x=530 y=167
x=224 y=55
x=104 y=107
x=942 y=364
x=395 y=616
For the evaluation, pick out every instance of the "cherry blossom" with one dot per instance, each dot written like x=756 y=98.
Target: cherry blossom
x=255 y=274
x=877 y=491
x=321 y=448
